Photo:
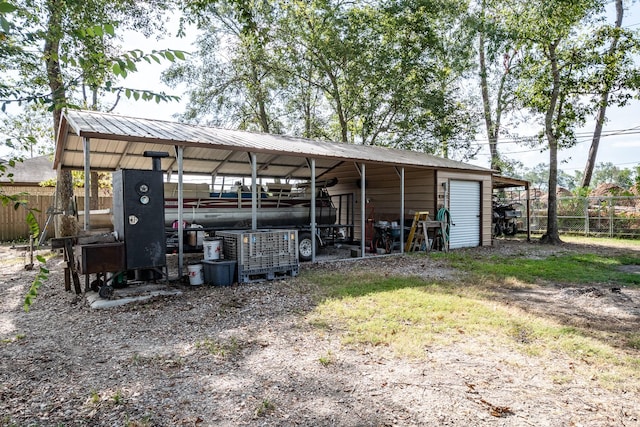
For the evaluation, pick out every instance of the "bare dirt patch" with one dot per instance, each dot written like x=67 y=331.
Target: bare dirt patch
x=246 y=355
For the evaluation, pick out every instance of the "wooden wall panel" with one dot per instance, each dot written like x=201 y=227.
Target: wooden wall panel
x=383 y=192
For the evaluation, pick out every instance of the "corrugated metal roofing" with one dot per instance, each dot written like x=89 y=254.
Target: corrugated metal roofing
x=118 y=142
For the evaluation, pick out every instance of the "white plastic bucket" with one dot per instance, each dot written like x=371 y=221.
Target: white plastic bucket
x=212 y=249
x=196 y=276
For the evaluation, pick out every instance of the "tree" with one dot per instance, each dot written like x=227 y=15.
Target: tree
x=442 y=108
x=616 y=75
x=608 y=173
x=384 y=73
x=497 y=56
x=72 y=36
x=77 y=50
x=232 y=78
x=554 y=73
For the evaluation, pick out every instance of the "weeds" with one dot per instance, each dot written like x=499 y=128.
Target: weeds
x=220 y=348
x=18 y=337
x=158 y=360
x=144 y=422
x=118 y=397
x=327 y=359
x=264 y=408
x=634 y=342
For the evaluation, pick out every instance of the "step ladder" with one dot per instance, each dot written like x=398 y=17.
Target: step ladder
x=416 y=235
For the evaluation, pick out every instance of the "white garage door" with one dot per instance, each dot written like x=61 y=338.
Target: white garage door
x=464 y=207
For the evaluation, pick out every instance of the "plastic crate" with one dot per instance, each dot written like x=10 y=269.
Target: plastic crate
x=261 y=248
x=219 y=273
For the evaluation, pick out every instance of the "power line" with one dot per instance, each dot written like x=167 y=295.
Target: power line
x=580 y=136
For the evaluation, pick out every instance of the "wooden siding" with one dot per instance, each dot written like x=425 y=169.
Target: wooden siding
x=383 y=192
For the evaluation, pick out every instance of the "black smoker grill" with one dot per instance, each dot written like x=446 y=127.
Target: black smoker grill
x=138 y=218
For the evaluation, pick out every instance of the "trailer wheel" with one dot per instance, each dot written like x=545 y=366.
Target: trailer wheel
x=305 y=248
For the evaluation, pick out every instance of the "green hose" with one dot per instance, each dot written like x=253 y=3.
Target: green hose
x=444 y=215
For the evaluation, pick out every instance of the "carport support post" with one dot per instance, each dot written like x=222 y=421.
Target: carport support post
x=254 y=196
x=87 y=183
x=180 y=154
x=401 y=210
x=528 y=213
x=312 y=165
x=363 y=209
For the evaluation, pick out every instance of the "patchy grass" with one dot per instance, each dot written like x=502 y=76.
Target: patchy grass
x=563 y=269
x=219 y=347
x=604 y=241
x=326 y=359
x=18 y=337
x=264 y=408
x=410 y=315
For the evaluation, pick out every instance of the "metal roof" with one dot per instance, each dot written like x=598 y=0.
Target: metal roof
x=118 y=142
x=500 y=181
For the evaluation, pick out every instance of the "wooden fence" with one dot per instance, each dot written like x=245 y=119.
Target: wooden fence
x=13 y=224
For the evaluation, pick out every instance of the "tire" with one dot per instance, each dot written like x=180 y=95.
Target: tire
x=511 y=229
x=383 y=244
x=305 y=248
x=96 y=284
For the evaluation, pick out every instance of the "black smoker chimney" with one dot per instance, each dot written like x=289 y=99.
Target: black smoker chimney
x=155 y=158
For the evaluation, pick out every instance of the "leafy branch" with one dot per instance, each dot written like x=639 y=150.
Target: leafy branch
x=43 y=273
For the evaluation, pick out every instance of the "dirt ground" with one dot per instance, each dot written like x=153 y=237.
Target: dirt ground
x=247 y=355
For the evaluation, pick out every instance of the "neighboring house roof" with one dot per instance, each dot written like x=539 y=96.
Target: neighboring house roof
x=118 y=142
x=30 y=171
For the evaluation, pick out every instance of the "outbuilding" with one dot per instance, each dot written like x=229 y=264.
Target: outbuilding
x=373 y=183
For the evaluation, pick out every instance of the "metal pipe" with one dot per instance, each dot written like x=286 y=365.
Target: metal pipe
x=254 y=197
x=87 y=183
x=363 y=213
x=312 y=165
x=180 y=154
x=402 y=210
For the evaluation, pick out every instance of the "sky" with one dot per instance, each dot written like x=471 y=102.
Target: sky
x=619 y=145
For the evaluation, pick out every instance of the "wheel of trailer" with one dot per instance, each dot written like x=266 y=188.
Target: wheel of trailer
x=305 y=246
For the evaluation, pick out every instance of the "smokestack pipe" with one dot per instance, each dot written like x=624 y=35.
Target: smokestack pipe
x=156 y=157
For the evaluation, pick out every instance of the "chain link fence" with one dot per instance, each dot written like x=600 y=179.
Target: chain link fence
x=605 y=216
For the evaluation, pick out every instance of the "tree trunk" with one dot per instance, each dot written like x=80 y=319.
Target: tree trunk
x=552 y=236
x=260 y=98
x=486 y=102
x=51 y=52
x=604 y=100
x=344 y=130
x=95 y=188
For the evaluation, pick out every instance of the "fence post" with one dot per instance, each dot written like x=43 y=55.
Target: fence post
x=586 y=216
x=611 y=215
